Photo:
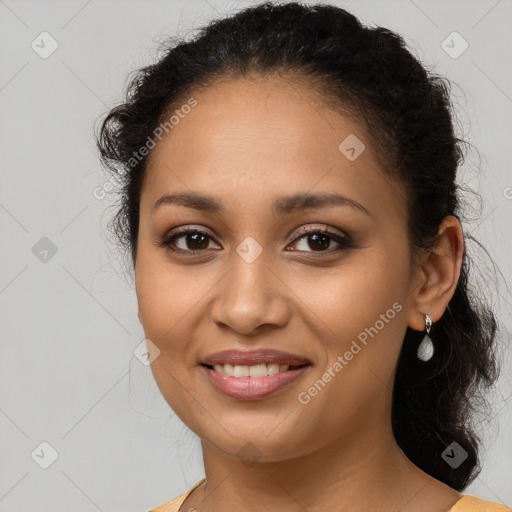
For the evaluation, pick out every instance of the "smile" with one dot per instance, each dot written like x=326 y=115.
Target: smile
x=252 y=382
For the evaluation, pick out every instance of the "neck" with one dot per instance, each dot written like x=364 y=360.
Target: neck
x=355 y=473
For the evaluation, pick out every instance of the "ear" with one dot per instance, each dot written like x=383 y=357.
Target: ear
x=439 y=275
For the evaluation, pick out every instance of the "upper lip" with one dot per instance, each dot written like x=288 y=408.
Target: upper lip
x=254 y=357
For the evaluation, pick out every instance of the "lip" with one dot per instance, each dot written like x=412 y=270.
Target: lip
x=252 y=388
x=254 y=357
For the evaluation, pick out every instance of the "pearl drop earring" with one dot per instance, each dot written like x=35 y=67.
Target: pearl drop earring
x=426 y=347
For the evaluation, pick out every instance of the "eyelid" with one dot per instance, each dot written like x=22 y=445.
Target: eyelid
x=189 y=228
x=312 y=228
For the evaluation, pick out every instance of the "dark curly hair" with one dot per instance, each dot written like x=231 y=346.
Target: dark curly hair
x=407 y=115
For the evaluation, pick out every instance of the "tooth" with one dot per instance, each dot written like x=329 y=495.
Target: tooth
x=272 y=369
x=228 y=369
x=258 y=370
x=241 y=371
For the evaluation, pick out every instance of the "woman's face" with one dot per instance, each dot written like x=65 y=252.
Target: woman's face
x=257 y=280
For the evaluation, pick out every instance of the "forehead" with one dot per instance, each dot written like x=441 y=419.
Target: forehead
x=248 y=140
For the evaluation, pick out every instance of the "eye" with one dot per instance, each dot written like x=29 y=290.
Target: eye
x=194 y=241
x=319 y=240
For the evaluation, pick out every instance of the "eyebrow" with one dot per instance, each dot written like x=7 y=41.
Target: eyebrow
x=281 y=206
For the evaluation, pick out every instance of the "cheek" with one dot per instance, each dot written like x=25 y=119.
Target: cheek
x=363 y=325
x=165 y=294
x=166 y=298
x=363 y=316
x=353 y=296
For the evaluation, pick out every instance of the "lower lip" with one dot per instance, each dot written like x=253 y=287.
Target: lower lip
x=252 y=388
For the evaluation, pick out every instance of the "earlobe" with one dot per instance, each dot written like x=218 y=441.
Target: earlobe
x=441 y=271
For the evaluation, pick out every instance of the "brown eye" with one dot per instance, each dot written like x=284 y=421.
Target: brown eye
x=193 y=241
x=320 y=240
x=187 y=240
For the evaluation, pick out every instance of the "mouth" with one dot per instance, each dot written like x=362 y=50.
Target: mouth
x=253 y=374
x=255 y=382
x=238 y=360
x=253 y=371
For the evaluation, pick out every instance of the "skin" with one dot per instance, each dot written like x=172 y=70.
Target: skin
x=247 y=142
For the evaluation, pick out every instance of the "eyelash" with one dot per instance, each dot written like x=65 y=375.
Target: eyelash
x=343 y=240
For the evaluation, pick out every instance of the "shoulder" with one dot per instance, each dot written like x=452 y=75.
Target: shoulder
x=174 y=504
x=469 y=503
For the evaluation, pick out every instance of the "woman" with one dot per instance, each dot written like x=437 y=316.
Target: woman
x=290 y=206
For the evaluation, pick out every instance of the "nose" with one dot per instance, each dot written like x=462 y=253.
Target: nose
x=250 y=296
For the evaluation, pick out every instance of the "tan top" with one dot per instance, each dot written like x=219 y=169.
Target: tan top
x=466 y=503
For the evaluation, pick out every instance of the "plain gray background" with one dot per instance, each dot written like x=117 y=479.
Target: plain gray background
x=69 y=325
